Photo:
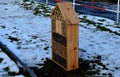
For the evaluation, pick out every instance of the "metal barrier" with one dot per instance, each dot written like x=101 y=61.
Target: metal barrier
x=94 y=7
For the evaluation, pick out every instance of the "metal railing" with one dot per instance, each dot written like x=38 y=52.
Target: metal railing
x=116 y=11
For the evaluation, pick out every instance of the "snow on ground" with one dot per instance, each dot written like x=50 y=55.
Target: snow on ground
x=7 y=65
x=30 y=33
x=29 y=37
x=103 y=43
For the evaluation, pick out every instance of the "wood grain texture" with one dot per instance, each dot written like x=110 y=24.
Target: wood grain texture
x=72 y=47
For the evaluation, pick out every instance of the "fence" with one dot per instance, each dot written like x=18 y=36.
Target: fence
x=76 y=4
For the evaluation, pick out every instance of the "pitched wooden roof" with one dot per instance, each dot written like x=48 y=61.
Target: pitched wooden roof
x=67 y=12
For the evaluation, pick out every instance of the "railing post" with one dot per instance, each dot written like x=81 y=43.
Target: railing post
x=46 y=2
x=73 y=4
x=118 y=11
x=92 y=2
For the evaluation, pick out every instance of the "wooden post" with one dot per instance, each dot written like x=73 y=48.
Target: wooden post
x=64 y=23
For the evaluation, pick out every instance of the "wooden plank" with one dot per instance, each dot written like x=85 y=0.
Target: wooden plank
x=72 y=47
x=64 y=33
x=58 y=27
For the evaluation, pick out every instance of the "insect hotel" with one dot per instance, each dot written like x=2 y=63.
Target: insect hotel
x=64 y=23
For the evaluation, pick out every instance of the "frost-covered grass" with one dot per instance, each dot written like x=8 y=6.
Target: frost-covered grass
x=37 y=8
x=100 y=24
x=104 y=42
x=28 y=35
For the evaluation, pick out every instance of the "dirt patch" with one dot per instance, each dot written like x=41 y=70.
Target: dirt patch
x=86 y=69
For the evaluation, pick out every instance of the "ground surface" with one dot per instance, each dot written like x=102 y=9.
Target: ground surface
x=29 y=37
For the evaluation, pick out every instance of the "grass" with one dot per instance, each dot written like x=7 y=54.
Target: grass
x=99 y=25
x=37 y=8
